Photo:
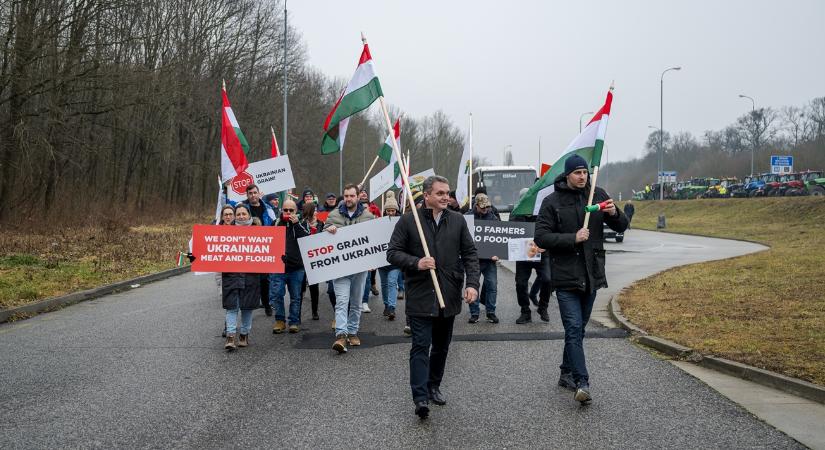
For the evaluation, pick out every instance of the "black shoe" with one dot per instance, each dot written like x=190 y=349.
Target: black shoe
x=582 y=394
x=543 y=314
x=566 y=381
x=437 y=397
x=422 y=409
x=268 y=310
x=473 y=319
x=525 y=317
x=315 y=316
x=391 y=314
x=386 y=311
x=491 y=317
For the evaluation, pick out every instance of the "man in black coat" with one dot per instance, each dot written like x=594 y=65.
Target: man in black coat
x=453 y=257
x=577 y=261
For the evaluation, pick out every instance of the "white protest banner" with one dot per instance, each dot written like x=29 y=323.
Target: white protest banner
x=382 y=181
x=350 y=250
x=271 y=175
x=522 y=249
x=418 y=179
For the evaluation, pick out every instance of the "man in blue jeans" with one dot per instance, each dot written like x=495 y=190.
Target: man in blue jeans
x=489 y=288
x=293 y=278
x=577 y=261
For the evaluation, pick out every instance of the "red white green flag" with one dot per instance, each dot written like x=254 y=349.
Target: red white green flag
x=274 y=146
x=361 y=91
x=388 y=154
x=233 y=143
x=588 y=144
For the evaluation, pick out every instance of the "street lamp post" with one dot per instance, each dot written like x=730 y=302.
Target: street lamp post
x=753 y=117
x=504 y=154
x=662 y=129
x=582 y=117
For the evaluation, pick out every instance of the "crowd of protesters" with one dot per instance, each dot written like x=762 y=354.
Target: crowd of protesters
x=572 y=265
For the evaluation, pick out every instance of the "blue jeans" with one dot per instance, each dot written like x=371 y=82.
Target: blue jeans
x=575 y=308
x=367 y=291
x=488 y=287
x=400 y=281
x=292 y=281
x=348 y=292
x=232 y=321
x=389 y=285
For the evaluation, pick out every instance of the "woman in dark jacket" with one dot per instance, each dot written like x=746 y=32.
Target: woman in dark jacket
x=241 y=292
x=312 y=225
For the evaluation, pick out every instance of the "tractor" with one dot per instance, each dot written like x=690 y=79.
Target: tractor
x=770 y=185
x=792 y=185
x=814 y=182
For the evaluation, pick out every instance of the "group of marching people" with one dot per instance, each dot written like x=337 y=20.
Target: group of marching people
x=572 y=265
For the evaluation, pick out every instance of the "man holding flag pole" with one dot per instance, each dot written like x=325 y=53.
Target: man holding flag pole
x=573 y=241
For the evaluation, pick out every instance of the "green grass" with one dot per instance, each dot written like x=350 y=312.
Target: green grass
x=37 y=263
x=766 y=309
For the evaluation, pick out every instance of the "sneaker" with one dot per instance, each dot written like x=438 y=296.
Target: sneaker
x=491 y=317
x=408 y=330
x=374 y=290
x=473 y=319
x=391 y=314
x=400 y=296
x=279 y=327
x=566 y=381
x=354 y=341
x=294 y=329
x=243 y=340
x=340 y=344
x=365 y=307
x=525 y=317
x=230 y=342
x=386 y=311
x=543 y=315
x=315 y=316
x=582 y=394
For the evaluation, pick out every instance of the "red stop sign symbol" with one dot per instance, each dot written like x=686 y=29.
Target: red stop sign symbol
x=241 y=181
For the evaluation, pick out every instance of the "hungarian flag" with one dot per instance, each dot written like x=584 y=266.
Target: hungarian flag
x=361 y=91
x=588 y=145
x=388 y=154
x=233 y=143
x=274 y=147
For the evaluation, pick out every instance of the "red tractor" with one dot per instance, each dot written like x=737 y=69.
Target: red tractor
x=792 y=185
x=771 y=187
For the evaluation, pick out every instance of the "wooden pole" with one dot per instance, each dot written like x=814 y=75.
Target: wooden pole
x=361 y=184
x=590 y=197
x=470 y=180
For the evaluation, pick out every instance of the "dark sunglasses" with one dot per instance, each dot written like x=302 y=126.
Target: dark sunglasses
x=289 y=210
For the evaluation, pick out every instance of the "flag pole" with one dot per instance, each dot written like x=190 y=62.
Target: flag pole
x=361 y=184
x=470 y=180
x=417 y=219
x=593 y=182
x=405 y=189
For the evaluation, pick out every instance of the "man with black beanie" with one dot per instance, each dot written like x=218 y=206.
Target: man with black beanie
x=577 y=259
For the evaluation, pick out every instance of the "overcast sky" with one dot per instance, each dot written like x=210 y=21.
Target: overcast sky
x=529 y=69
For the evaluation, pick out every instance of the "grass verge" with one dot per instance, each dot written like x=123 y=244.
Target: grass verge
x=766 y=309
x=41 y=262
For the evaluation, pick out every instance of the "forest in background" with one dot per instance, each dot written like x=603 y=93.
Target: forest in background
x=112 y=106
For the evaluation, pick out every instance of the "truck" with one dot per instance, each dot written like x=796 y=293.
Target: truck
x=504 y=184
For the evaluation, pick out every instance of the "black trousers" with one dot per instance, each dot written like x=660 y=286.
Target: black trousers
x=428 y=355
x=523 y=271
x=264 y=291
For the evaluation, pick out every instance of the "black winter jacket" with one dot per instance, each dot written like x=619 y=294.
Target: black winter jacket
x=292 y=253
x=240 y=290
x=451 y=246
x=575 y=266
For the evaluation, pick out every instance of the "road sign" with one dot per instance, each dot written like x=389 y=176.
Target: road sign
x=667 y=177
x=781 y=164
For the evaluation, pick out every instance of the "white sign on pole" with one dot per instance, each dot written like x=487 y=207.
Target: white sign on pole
x=382 y=181
x=271 y=175
x=350 y=250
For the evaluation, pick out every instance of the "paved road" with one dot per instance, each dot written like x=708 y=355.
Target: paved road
x=146 y=368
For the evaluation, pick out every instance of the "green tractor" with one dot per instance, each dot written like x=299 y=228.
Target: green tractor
x=696 y=188
x=814 y=182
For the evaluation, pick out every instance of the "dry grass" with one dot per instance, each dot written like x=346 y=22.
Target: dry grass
x=38 y=262
x=765 y=309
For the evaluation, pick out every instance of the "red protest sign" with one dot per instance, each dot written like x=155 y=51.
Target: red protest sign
x=222 y=248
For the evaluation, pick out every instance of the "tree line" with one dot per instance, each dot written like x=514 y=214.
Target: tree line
x=114 y=105
x=791 y=130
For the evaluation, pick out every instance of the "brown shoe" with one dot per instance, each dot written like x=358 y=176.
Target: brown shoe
x=294 y=328
x=354 y=340
x=243 y=340
x=230 y=342
x=279 y=327
x=340 y=344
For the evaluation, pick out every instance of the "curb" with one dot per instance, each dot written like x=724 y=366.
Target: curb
x=53 y=303
x=764 y=377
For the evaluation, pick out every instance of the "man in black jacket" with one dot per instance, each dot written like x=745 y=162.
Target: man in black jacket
x=453 y=257
x=577 y=261
x=293 y=278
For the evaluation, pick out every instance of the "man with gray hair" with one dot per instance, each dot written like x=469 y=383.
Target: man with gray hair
x=453 y=256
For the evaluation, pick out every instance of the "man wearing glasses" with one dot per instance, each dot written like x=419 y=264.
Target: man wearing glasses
x=293 y=277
